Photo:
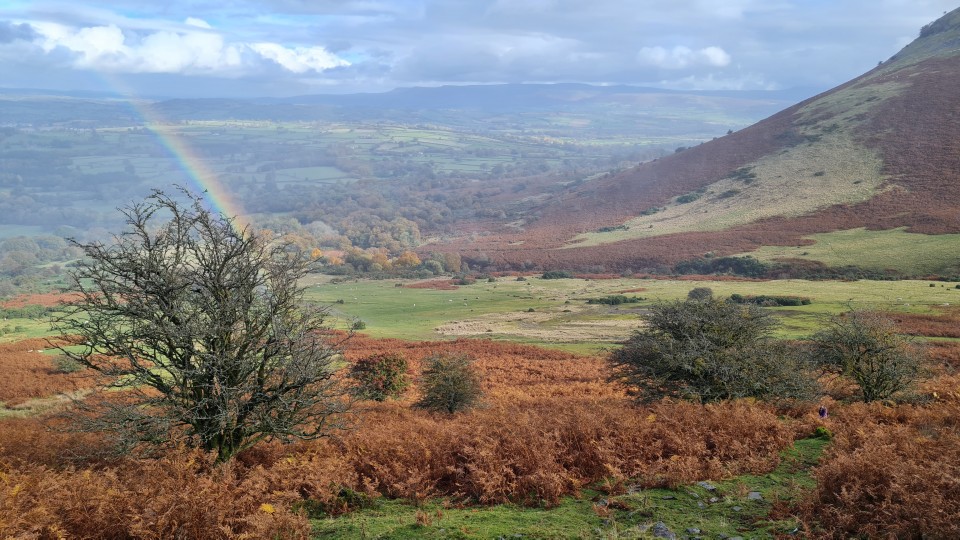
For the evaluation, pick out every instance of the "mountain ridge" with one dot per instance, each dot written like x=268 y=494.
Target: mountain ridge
x=905 y=111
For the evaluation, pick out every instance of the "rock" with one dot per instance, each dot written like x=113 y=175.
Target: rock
x=660 y=530
x=737 y=508
x=735 y=538
x=693 y=530
x=668 y=498
x=707 y=485
x=755 y=496
x=714 y=500
x=700 y=504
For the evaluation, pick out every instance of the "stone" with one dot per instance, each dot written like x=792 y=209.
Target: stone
x=693 y=530
x=707 y=485
x=755 y=496
x=714 y=500
x=660 y=530
x=737 y=508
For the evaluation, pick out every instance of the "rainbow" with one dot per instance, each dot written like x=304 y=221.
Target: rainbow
x=203 y=177
x=216 y=193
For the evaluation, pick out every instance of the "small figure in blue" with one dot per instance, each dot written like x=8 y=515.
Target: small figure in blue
x=823 y=412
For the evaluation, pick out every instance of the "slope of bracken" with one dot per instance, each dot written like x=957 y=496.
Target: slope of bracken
x=549 y=426
x=915 y=131
x=29 y=373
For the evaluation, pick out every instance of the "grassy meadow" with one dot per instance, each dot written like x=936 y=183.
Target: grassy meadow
x=561 y=317
x=910 y=253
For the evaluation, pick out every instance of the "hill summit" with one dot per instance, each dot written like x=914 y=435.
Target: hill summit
x=878 y=153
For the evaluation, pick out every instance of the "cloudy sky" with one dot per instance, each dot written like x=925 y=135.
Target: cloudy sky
x=290 y=47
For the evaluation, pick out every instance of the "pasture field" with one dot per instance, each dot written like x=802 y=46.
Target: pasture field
x=911 y=253
x=561 y=317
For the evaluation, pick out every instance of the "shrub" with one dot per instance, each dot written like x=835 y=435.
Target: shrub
x=557 y=274
x=768 y=300
x=699 y=294
x=866 y=347
x=64 y=364
x=710 y=350
x=379 y=376
x=358 y=325
x=688 y=198
x=615 y=300
x=740 y=266
x=449 y=383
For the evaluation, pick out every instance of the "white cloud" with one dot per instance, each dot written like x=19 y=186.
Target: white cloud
x=199 y=23
x=299 y=59
x=194 y=48
x=681 y=57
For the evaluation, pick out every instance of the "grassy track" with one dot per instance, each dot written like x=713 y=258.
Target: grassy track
x=597 y=515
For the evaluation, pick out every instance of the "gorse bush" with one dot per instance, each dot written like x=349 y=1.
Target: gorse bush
x=710 y=350
x=449 y=383
x=379 y=376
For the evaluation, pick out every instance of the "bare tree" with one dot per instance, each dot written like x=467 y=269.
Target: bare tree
x=866 y=347
x=202 y=329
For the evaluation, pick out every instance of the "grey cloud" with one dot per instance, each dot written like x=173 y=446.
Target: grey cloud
x=10 y=32
x=689 y=43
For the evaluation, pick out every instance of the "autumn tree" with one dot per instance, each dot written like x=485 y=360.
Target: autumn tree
x=202 y=328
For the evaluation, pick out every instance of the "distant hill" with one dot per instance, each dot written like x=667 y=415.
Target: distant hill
x=881 y=152
x=605 y=109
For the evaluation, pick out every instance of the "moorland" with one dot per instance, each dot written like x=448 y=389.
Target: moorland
x=535 y=239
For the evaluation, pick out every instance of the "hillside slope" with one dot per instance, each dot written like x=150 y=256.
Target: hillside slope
x=879 y=152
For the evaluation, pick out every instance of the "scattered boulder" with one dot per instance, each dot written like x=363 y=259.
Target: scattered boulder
x=660 y=530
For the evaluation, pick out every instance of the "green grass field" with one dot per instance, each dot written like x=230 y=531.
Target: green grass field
x=915 y=254
x=560 y=309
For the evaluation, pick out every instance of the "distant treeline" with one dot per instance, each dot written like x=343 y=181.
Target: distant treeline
x=770 y=300
x=786 y=269
x=615 y=300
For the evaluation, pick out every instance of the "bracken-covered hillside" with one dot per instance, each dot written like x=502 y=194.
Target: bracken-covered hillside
x=879 y=152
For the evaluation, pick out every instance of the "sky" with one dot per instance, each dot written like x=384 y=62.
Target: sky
x=248 y=48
